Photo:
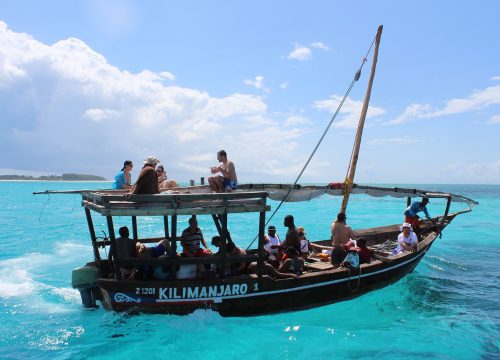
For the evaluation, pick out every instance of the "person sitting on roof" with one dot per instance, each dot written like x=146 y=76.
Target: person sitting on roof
x=411 y=212
x=192 y=238
x=147 y=182
x=123 y=180
x=341 y=234
x=293 y=264
x=163 y=182
x=125 y=249
x=407 y=240
x=228 y=181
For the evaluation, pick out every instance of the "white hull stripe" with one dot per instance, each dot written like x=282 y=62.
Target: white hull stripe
x=298 y=288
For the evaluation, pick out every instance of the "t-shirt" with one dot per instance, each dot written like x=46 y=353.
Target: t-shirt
x=304 y=246
x=273 y=241
x=147 y=182
x=410 y=240
x=120 y=181
x=125 y=249
x=415 y=208
x=364 y=255
x=192 y=240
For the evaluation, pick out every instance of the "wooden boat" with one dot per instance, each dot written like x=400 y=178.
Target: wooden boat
x=185 y=290
x=242 y=294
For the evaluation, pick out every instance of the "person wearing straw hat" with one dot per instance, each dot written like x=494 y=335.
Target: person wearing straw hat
x=147 y=182
x=407 y=240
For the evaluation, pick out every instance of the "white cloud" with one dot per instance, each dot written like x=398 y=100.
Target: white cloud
x=284 y=85
x=495 y=119
x=320 y=45
x=303 y=53
x=66 y=109
x=487 y=172
x=394 y=141
x=294 y=120
x=167 y=75
x=350 y=111
x=477 y=100
x=300 y=53
x=495 y=78
x=100 y=114
x=257 y=83
x=413 y=111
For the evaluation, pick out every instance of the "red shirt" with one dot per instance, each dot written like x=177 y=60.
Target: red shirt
x=364 y=255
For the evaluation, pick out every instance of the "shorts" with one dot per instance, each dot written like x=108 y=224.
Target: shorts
x=229 y=184
x=338 y=254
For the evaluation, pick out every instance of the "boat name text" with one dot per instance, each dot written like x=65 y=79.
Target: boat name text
x=201 y=291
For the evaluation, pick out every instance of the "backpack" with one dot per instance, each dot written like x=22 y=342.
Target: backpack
x=351 y=260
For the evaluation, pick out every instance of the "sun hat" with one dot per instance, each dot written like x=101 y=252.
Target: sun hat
x=301 y=228
x=151 y=160
x=405 y=225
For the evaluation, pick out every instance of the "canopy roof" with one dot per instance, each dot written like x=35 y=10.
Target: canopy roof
x=285 y=192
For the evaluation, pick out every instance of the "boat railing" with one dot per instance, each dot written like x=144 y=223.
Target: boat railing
x=188 y=260
x=175 y=204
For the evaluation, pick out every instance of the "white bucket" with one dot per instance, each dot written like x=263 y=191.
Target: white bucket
x=187 y=271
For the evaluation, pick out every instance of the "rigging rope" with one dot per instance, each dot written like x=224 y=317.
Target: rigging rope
x=334 y=116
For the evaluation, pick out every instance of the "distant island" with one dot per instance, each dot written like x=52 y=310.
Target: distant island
x=63 y=177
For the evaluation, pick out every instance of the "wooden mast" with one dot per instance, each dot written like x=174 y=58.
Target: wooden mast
x=357 y=142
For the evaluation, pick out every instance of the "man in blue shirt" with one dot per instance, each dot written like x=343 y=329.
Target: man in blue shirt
x=411 y=212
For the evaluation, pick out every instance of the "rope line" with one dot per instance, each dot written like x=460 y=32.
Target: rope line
x=334 y=116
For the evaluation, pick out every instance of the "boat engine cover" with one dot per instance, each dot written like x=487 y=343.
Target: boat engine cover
x=85 y=276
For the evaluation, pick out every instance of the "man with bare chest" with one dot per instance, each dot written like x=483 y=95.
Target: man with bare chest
x=228 y=181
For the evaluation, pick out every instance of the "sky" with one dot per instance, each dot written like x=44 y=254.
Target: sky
x=86 y=85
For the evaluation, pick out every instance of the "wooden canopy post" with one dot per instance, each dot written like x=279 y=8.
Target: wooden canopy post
x=165 y=226
x=173 y=246
x=218 y=225
x=135 y=234
x=93 y=237
x=112 y=237
x=357 y=142
x=223 y=244
x=262 y=255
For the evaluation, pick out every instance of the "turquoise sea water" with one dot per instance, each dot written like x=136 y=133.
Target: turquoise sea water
x=448 y=308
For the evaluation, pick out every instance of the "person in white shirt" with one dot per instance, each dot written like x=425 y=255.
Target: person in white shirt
x=407 y=240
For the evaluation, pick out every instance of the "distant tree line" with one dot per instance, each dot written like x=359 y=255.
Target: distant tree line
x=65 y=177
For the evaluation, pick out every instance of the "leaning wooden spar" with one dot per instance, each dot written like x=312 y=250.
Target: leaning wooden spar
x=178 y=285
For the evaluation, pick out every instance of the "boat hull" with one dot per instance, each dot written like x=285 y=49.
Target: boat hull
x=250 y=295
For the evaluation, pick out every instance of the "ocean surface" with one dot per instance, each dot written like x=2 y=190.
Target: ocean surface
x=448 y=308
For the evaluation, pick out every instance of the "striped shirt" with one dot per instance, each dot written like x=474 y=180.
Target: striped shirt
x=191 y=240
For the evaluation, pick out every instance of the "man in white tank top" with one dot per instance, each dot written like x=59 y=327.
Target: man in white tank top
x=271 y=240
